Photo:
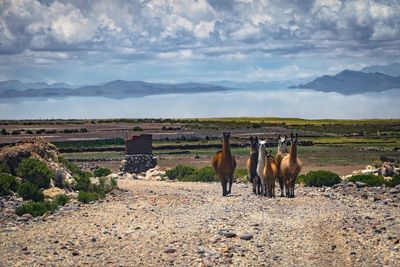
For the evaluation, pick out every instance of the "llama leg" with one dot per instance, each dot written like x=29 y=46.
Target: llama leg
x=281 y=185
x=224 y=191
x=254 y=180
x=293 y=184
x=262 y=186
x=230 y=184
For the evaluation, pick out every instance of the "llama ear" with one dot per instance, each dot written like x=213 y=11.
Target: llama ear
x=285 y=136
x=297 y=135
x=291 y=135
x=279 y=136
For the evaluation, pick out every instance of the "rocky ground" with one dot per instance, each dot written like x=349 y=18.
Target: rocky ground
x=153 y=223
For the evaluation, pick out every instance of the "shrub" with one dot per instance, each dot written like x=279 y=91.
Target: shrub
x=29 y=191
x=241 y=173
x=137 y=129
x=87 y=197
x=61 y=200
x=395 y=181
x=36 y=208
x=8 y=183
x=369 y=179
x=4 y=132
x=205 y=174
x=82 y=182
x=4 y=168
x=320 y=178
x=180 y=171
x=100 y=172
x=35 y=171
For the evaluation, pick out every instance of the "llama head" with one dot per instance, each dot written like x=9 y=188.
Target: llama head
x=294 y=139
x=226 y=135
x=268 y=154
x=253 y=142
x=283 y=143
x=261 y=144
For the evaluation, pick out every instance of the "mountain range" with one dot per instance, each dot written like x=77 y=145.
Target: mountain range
x=369 y=79
x=114 y=89
x=353 y=82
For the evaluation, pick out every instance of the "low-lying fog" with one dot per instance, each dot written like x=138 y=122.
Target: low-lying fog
x=279 y=103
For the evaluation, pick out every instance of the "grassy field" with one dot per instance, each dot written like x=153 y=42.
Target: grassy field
x=337 y=143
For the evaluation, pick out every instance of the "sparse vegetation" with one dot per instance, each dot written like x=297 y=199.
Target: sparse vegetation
x=100 y=172
x=35 y=171
x=29 y=191
x=369 y=179
x=395 y=181
x=241 y=173
x=36 y=208
x=179 y=172
x=189 y=174
x=319 y=178
x=61 y=199
x=87 y=197
x=8 y=184
x=4 y=168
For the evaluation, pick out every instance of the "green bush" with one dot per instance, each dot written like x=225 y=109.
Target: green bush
x=395 y=181
x=205 y=174
x=241 y=173
x=87 y=197
x=100 y=172
x=8 y=184
x=179 y=172
x=82 y=182
x=4 y=168
x=137 y=129
x=369 y=179
x=61 y=200
x=320 y=178
x=29 y=191
x=35 y=171
x=36 y=208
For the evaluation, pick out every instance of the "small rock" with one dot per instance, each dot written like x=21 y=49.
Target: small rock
x=227 y=233
x=360 y=184
x=350 y=184
x=169 y=250
x=75 y=253
x=246 y=236
x=394 y=191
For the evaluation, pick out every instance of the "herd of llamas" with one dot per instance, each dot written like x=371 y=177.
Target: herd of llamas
x=263 y=168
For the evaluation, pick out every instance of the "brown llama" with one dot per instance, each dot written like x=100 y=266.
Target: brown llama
x=224 y=165
x=291 y=167
x=251 y=165
x=281 y=152
x=270 y=174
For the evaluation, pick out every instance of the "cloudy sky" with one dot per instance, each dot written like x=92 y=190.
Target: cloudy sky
x=95 y=41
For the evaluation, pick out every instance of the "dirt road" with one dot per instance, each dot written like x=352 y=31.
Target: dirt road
x=190 y=224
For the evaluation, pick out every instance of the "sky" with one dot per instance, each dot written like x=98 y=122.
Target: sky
x=95 y=41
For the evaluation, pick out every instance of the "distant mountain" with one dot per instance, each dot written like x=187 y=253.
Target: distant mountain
x=392 y=69
x=353 y=82
x=20 y=86
x=261 y=85
x=116 y=89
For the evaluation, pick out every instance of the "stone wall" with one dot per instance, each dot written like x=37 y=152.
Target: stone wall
x=137 y=163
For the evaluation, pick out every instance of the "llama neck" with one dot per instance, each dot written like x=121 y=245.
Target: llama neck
x=281 y=150
x=261 y=156
x=226 y=148
x=293 y=153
